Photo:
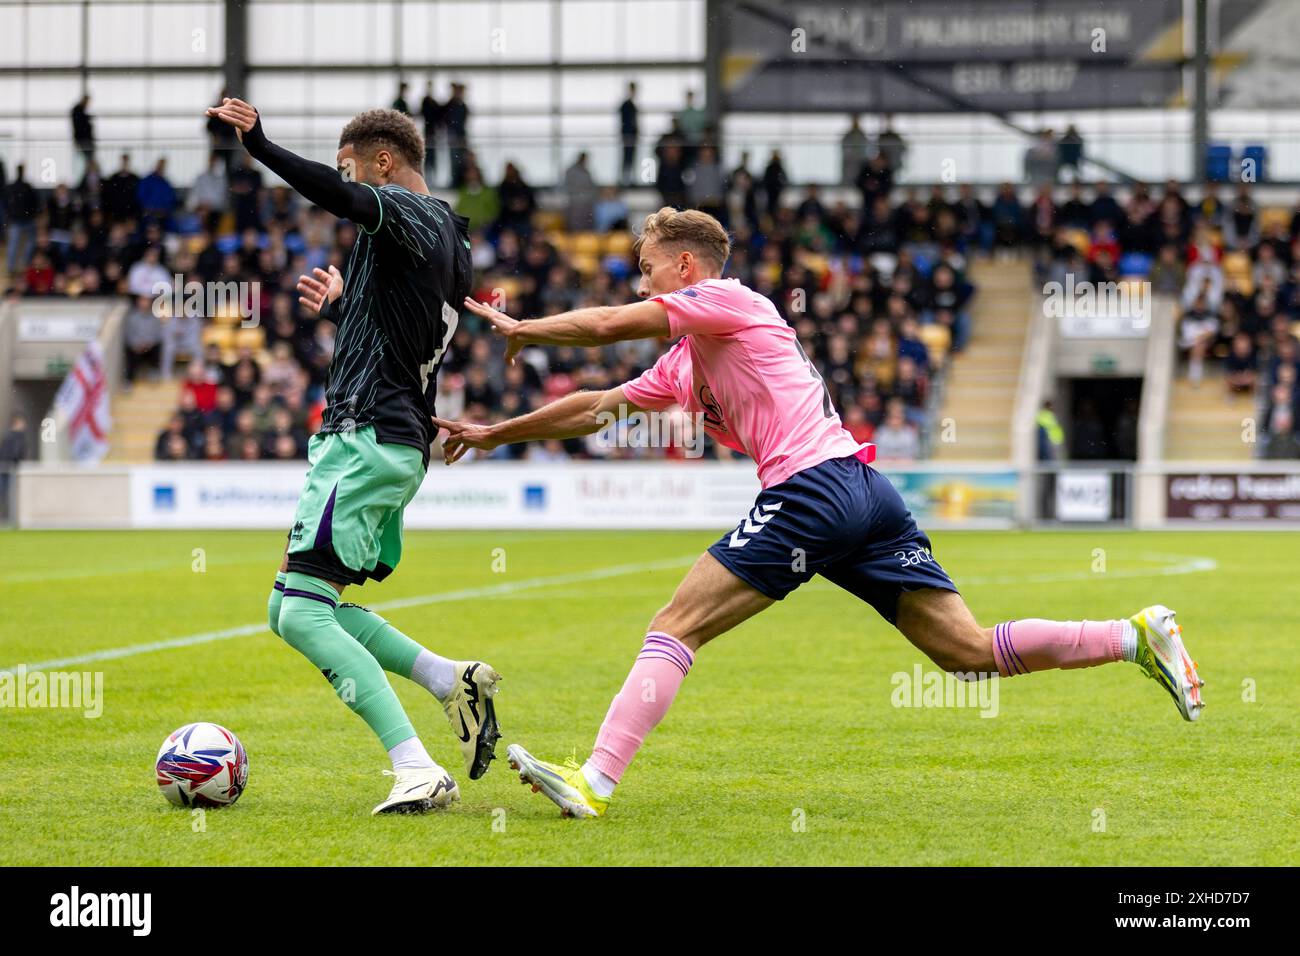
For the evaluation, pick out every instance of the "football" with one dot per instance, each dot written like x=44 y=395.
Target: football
x=202 y=765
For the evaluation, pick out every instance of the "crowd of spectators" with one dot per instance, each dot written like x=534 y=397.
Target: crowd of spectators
x=878 y=296
x=1233 y=268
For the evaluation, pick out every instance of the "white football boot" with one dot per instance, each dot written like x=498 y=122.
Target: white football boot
x=1163 y=658
x=473 y=716
x=418 y=790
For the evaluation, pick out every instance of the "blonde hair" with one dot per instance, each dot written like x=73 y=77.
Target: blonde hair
x=686 y=230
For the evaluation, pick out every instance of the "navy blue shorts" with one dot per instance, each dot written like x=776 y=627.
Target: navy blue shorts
x=841 y=519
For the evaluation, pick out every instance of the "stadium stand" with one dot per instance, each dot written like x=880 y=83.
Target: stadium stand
x=881 y=293
x=1234 y=270
x=879 y=301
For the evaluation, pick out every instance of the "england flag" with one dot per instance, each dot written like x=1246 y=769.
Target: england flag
x=82 y=402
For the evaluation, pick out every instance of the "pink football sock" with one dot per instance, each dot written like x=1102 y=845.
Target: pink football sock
x=646 y=696
x=1037 y=645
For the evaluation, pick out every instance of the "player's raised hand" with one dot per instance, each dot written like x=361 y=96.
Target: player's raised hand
x=502 y=323
x=235 y=113
x=314 y=289
x=461 y=437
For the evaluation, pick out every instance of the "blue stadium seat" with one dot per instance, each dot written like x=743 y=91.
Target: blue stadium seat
x=1135 y=264
x=1218 y=162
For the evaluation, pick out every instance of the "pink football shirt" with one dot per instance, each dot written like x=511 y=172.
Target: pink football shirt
x=740 y=365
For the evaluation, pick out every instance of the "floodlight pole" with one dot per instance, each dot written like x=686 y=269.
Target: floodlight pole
x=1200 y=99
x=236 y=66
x=716 y=13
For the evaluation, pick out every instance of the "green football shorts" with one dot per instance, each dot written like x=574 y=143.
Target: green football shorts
x=348 y=526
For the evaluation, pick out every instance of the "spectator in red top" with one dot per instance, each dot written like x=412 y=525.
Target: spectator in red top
x=1103 y=240
x=39 y=276
x=855 y=420
x=202 y=385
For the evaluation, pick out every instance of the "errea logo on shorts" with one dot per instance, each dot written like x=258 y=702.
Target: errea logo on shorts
x=77 y=909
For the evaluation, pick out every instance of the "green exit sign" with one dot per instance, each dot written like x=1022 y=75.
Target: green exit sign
x=1104 y=365
x=57 y=367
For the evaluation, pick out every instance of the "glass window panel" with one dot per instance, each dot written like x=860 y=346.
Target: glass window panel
x=346 y=92
x=656 y=89
x=118 y=33
x=276 y=32
x=663 y=30
x=188 y=94
x=279 y=93
x=13 y=22
x=53 y=34
x=53 y=93
x=13 y=98
x=525 y=32
x=461 y=33
x=117 y=93
x=349 y=33
x=589 y=30
x=667 y=30
x=186 y=34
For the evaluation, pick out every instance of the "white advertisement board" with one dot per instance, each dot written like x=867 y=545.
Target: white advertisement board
x=477 y=495
x=1083 y=496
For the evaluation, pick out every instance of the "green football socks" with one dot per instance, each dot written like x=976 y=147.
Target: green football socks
x=308 y=621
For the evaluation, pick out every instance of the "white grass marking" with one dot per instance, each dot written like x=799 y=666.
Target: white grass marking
x=1180 y=564
x=463 y=594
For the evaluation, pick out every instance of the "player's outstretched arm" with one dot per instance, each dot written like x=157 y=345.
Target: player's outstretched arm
x=599 y=325
x=316 y=182
x=570 y=417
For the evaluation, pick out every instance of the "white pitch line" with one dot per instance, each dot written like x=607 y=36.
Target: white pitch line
x=1185 y=565
x=464 y=594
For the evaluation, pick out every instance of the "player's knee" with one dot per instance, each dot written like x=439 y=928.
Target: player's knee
x=296 y=624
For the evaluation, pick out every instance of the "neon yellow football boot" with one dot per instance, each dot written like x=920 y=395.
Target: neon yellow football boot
x=565 y=785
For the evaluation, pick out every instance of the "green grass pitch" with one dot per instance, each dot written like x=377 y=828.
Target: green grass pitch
x=784 y=746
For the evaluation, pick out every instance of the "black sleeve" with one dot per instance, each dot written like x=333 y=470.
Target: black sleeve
x=316 y=182
x=327 y=309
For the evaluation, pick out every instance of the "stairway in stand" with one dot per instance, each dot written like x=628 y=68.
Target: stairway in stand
x=982 y=380
x=138 y=416
x=1205 y=424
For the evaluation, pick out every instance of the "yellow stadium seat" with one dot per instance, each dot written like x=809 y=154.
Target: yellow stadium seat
x=1236 y=264
x=1275 y=217
x=220 y=335
x=1079 y=239
x=549 y=220
x=586 y=244
x=1242 y=283
x=585 y=264
x=618 y=243
x=937 y=340
x=254 y=339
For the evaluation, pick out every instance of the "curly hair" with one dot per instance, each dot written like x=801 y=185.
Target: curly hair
x=686 y=230
x=385 y=129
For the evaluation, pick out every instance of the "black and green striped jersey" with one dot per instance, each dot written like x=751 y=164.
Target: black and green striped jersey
x=403 y=287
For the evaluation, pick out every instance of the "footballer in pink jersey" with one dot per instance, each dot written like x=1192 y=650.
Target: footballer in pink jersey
x=822 y=508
